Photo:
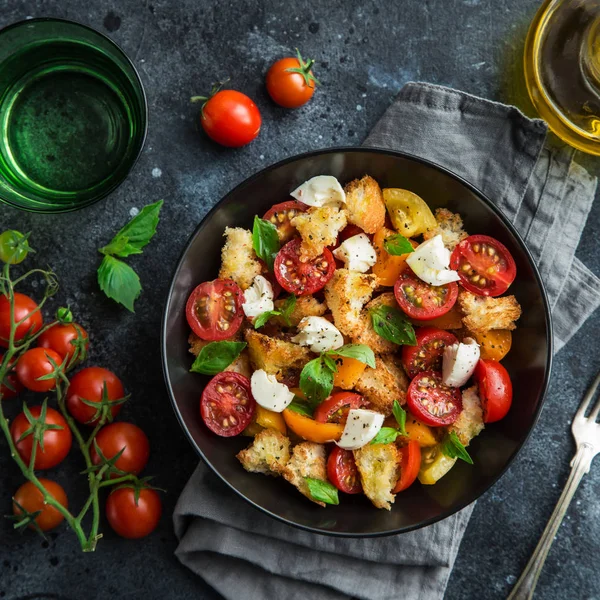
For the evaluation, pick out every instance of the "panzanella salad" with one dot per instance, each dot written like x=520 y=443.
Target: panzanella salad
x=356 y=336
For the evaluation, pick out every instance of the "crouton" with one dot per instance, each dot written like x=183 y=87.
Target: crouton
x=238 y=260
x=383 y=384
x=308 y=460
x=364 y=202
x=449 y=226
x=319 y=227
x=306 y=306
x=379 y=468
x=268 y=453
x=346 y=294
x=273 y=355
x=367 y=334
x=483 y=313
x=240 y=365
x=470 y=421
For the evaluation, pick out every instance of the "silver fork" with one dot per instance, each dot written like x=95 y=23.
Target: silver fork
x=587 y=437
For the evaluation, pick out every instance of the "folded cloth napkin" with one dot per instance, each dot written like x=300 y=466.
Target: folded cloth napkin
x=243 y=553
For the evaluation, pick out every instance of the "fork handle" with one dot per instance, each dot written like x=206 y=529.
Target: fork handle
x=580 y=465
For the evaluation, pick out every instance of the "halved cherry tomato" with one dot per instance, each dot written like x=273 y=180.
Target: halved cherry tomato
x=30 y=499
x=227 y=404
x=494 y=344
x=214 y=309
x=410 y=463
x=267 y=419
x=419 y=432
x=433 y=402
x=311 y=430
x=409 y=213
x=113 y=438
x=63 y=339
x=290 y=81
x=388 y=266
x=422 y=301
x=281 y=215
x=485 y=266
x=342 y=471
x=495 y=390
x=302 y=278
x=57 y=442
x=11 y=386
x=24 y=306
x=348 y=372
x=133 y=516
x=427 y=354
x=35 y=363
x=335 y=408
x=451 y=320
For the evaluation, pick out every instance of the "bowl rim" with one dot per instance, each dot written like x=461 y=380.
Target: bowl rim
x=109 y=190
x=547 y=317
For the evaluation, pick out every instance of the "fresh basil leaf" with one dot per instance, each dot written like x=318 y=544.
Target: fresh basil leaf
x=265 y=241
x=264 y=317
x=301 y=407
x=452 y=447
x=316 y=380
x=357 y=351
x=322 y=491
x=330 y=363
x=397 y=245
x=119 y=281
x=136 y=234
x=386 y=435
x=288 y=308
x=400 y=416
x=216 y=357
x=392 y=325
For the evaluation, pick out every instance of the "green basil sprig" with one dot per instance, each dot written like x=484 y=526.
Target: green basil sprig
x=285 y=312
x=397 y=244
x=452 y=447
x=265 y=241
x=322 y=491
x=392 y=325
x=302 y=407
x=388 y=435
x=216 y=357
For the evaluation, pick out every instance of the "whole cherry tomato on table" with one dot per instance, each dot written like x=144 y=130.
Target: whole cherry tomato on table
x=65 y=339
x=133 y=517
x=290 y=81
x=24 y=307
x=30 y=499
x=37 y=363
x=115 y=437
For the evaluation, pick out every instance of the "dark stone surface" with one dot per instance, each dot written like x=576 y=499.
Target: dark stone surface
x=365 y=52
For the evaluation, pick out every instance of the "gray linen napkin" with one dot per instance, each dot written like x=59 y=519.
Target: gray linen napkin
x=245 y=554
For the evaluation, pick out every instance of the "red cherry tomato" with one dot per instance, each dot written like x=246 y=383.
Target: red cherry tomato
x=422 y=301
x=35 y=363
x=131 y=518
x=24 y=306
x=495 y=390
x=350 y=231
x=30 y=499
x=230 y=118
x=11 y=386
x=113 y=438
x=281 y=215
x=214 y=309
x=290 y=81
x=342 y=471
x=432 y=402
x=63 y=339
x=302 y=278
x=410 y=463
x=89 y=385
x=227 y=404
x=427 y=354
x=57 y=442
x=485 y=266
x=335 y=408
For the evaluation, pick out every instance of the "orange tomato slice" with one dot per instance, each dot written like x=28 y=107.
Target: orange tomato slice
x=269 y=419
x=494 y=344
x=348 y=373
x=451 y=320
x=312 y=430
x=388 y=267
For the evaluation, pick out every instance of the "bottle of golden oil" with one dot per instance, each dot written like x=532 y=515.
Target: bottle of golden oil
x=562 y=70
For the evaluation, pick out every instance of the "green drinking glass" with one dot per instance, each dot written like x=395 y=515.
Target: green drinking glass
x=73 y=115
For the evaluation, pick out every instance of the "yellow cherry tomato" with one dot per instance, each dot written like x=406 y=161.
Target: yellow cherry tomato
x=312 y=430
x=419 y=432
x=348 y=373
x=434 y=465
x=269 y=419
x=494 y=344
x=409 y=213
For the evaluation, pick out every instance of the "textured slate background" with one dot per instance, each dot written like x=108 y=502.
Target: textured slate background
x=365 y=51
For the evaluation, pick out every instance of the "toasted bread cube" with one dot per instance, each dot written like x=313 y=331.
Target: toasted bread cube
x=306 y=306
x=268 y=453
x=240 y=365
x=319 y=228
x=449 y=226
x=238 y=259
x=383 y=384
x=346 y=294
x=368 y=335
x=379 y=468
x=483 y=313
x=308 y=460
x=364 y=202
x=470 y=421
x=275 y=355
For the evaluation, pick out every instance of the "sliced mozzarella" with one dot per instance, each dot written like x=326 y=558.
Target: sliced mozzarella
x=319 y=334
x=269 y=393
x=430 y=262
x=357 y=253
x=319 y=191
x=459 y=362
x=361 y=427
x=258 y=298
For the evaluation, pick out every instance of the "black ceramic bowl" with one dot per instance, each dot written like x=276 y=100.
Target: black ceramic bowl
x=528 y=362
